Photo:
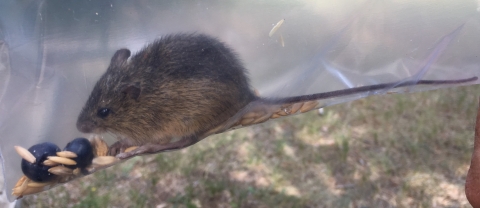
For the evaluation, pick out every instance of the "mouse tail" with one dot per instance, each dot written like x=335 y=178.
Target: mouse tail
x=363 y=89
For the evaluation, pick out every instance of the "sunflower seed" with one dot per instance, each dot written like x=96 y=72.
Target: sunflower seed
x=25 y=154
x=62 y=160
x=67 y=154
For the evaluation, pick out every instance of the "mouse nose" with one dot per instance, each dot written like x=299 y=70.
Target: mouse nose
x=85 y=126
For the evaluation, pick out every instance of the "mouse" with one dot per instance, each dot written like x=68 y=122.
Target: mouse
x=184 y=87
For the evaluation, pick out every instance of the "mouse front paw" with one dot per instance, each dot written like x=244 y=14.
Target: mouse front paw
x=118 y=148
x=126 y=155
x=135 y=151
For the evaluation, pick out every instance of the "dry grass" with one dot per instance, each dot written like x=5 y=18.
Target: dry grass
x=409 y=150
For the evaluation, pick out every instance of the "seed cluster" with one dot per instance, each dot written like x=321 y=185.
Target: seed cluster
x=45 y=166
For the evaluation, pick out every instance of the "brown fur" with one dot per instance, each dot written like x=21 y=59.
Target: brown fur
x=179 y=96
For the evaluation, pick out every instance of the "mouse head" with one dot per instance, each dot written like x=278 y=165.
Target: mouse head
x=112 y=100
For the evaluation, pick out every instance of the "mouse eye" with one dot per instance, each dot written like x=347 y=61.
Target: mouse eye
x=103 y=112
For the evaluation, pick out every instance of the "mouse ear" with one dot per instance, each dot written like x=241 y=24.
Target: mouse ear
x=120 y=57
x=132 y=91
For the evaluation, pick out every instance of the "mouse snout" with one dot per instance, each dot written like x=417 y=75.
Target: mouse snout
x=85 y=126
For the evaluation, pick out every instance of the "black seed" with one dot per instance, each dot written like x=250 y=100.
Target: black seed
x=84 y=151
x=37 y=171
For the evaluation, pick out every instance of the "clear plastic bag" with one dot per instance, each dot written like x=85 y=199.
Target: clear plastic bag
x=53 y=52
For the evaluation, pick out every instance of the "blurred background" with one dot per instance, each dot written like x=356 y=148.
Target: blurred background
x=390 y=150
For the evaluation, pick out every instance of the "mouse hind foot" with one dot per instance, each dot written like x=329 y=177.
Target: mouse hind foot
x=152 y=148
x=119 y=147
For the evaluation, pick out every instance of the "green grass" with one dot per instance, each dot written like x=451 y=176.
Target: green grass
x=408 y=150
